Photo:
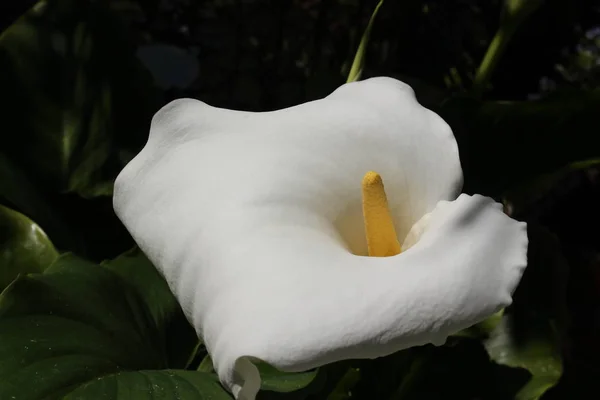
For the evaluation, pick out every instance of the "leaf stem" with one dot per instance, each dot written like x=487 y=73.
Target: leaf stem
x=193 y=354
x=492 y=56
x=359 y=58
x=206 y=365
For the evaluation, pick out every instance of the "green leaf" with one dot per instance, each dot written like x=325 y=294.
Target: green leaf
x=76 y=95
x=538 y=355
x=24 y=247
x=19 y=192
x=278 y=381
x=135 y=268
x=359 y=58
x=142 y=385
x=528 y=336
x=483 y=328
x=80 y=328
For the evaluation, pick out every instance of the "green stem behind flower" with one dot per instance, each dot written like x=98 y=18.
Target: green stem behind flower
x=359 y=58
x=492 y=56
x=515 y=13
x=206 y=365
x=193 y=354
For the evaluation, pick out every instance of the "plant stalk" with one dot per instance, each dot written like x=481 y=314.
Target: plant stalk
x=492 y=56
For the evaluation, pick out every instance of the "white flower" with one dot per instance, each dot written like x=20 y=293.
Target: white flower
x=256 y=222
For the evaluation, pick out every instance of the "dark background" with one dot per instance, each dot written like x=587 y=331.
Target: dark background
x=538 y=115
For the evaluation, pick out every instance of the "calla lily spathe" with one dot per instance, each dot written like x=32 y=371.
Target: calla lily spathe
x=255 y=221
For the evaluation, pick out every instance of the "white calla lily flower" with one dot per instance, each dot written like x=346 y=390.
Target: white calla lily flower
x=257 y=222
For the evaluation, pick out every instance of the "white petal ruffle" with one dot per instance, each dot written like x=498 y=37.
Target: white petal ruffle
x=255 y=221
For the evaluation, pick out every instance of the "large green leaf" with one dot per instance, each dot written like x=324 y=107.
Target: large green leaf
x=73 y=95
x=80 y=328
x=24 y=247
x=180 y=337
x=134 y=267
x=151 y=385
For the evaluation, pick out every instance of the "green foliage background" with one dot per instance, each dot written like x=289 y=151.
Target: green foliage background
x=83 y=313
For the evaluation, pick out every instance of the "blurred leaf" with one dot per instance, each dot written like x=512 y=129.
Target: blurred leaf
x=529 y=334
x=482 y=329
x=20 y=193
x=179 y=336
x=564 y=205
x=414 y=374
x=538 y=356
x=378 y=378
x=528 y=198
x=79 y=328
x=359 y=59
x=171 y=66
x=461 y=369
x=503 y=144
x=150 y=385
x=517 y=11
x=343 y=389
x=74 y=94
x=540 y=300
x=24 y=247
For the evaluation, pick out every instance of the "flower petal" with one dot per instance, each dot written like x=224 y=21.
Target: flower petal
x=250 y=218
x=313 y=155
x=306 y=308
